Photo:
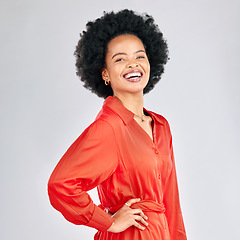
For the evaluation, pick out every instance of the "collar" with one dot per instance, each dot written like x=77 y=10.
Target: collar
x=127 y=116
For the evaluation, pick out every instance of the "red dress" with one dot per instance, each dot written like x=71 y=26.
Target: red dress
x=118 y=157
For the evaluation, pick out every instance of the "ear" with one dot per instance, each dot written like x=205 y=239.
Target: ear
x=105 y=75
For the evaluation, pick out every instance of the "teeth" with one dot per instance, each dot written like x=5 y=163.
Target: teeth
x=134 y=74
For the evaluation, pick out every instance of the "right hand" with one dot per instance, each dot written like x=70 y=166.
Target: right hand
x=126 y=217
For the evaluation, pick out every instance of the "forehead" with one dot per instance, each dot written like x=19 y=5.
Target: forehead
x=125 y=42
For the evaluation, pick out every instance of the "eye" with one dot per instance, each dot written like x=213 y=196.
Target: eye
x=119 y=60
x=139 y=57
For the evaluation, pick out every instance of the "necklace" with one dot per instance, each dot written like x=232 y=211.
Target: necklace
x=141 y=117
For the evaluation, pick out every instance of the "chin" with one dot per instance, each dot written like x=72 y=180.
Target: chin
x=135 y=90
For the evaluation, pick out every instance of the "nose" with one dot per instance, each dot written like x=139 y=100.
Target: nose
x=132 y=64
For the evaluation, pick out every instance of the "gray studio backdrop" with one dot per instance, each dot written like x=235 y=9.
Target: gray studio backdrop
x=44 y=108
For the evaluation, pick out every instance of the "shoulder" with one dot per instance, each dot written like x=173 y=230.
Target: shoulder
x=103 y=127
x=161 y=121
x=159 y=118
x=100 y=128
x=110 y=117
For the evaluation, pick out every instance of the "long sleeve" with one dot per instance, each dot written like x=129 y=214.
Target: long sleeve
x=172 y=202
x=90 y=160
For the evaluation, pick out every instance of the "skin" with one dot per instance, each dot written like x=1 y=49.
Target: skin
x=126 y=54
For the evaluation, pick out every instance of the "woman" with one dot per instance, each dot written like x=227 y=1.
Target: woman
x=127 y=151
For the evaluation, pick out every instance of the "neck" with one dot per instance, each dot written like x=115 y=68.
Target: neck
x=133 y=102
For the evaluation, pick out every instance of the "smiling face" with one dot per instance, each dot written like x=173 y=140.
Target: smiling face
x=127 y=66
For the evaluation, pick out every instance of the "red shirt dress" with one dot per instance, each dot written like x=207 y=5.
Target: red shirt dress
x=117 y=156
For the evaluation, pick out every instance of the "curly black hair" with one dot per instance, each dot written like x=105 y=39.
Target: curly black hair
x=91 y=49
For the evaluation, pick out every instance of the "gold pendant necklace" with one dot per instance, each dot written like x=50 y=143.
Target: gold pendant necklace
x=133 y=113
x=140 y=117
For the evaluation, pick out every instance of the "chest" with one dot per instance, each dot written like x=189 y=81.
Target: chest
x=140 y=154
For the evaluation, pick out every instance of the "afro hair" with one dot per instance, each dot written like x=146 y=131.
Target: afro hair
x=91 y=49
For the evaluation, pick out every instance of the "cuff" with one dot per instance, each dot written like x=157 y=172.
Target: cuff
x=100 y=220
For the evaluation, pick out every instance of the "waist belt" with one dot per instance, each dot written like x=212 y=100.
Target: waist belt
x=144 y=205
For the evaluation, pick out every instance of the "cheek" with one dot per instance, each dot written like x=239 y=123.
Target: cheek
x=146 y=64
x=147 y=67
x=116 y=70
x=148 y=71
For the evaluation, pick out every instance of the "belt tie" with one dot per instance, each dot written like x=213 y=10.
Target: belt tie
x=144 y=205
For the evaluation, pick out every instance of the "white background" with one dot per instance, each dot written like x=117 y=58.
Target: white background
x=44 y=108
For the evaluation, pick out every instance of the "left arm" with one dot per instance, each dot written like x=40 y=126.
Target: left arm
x=172 y=201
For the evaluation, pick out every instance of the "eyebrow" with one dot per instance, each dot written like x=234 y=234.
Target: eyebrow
x=122 y=53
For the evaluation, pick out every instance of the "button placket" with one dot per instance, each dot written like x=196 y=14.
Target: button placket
x=158 y=161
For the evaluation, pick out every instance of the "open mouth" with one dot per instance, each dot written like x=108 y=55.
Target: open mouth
x=133 y=76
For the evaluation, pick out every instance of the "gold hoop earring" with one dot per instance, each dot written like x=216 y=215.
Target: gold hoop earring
x=107 y=82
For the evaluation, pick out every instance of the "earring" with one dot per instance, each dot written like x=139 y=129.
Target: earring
x=107 y=82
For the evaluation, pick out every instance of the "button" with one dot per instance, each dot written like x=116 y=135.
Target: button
x=155 y=149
